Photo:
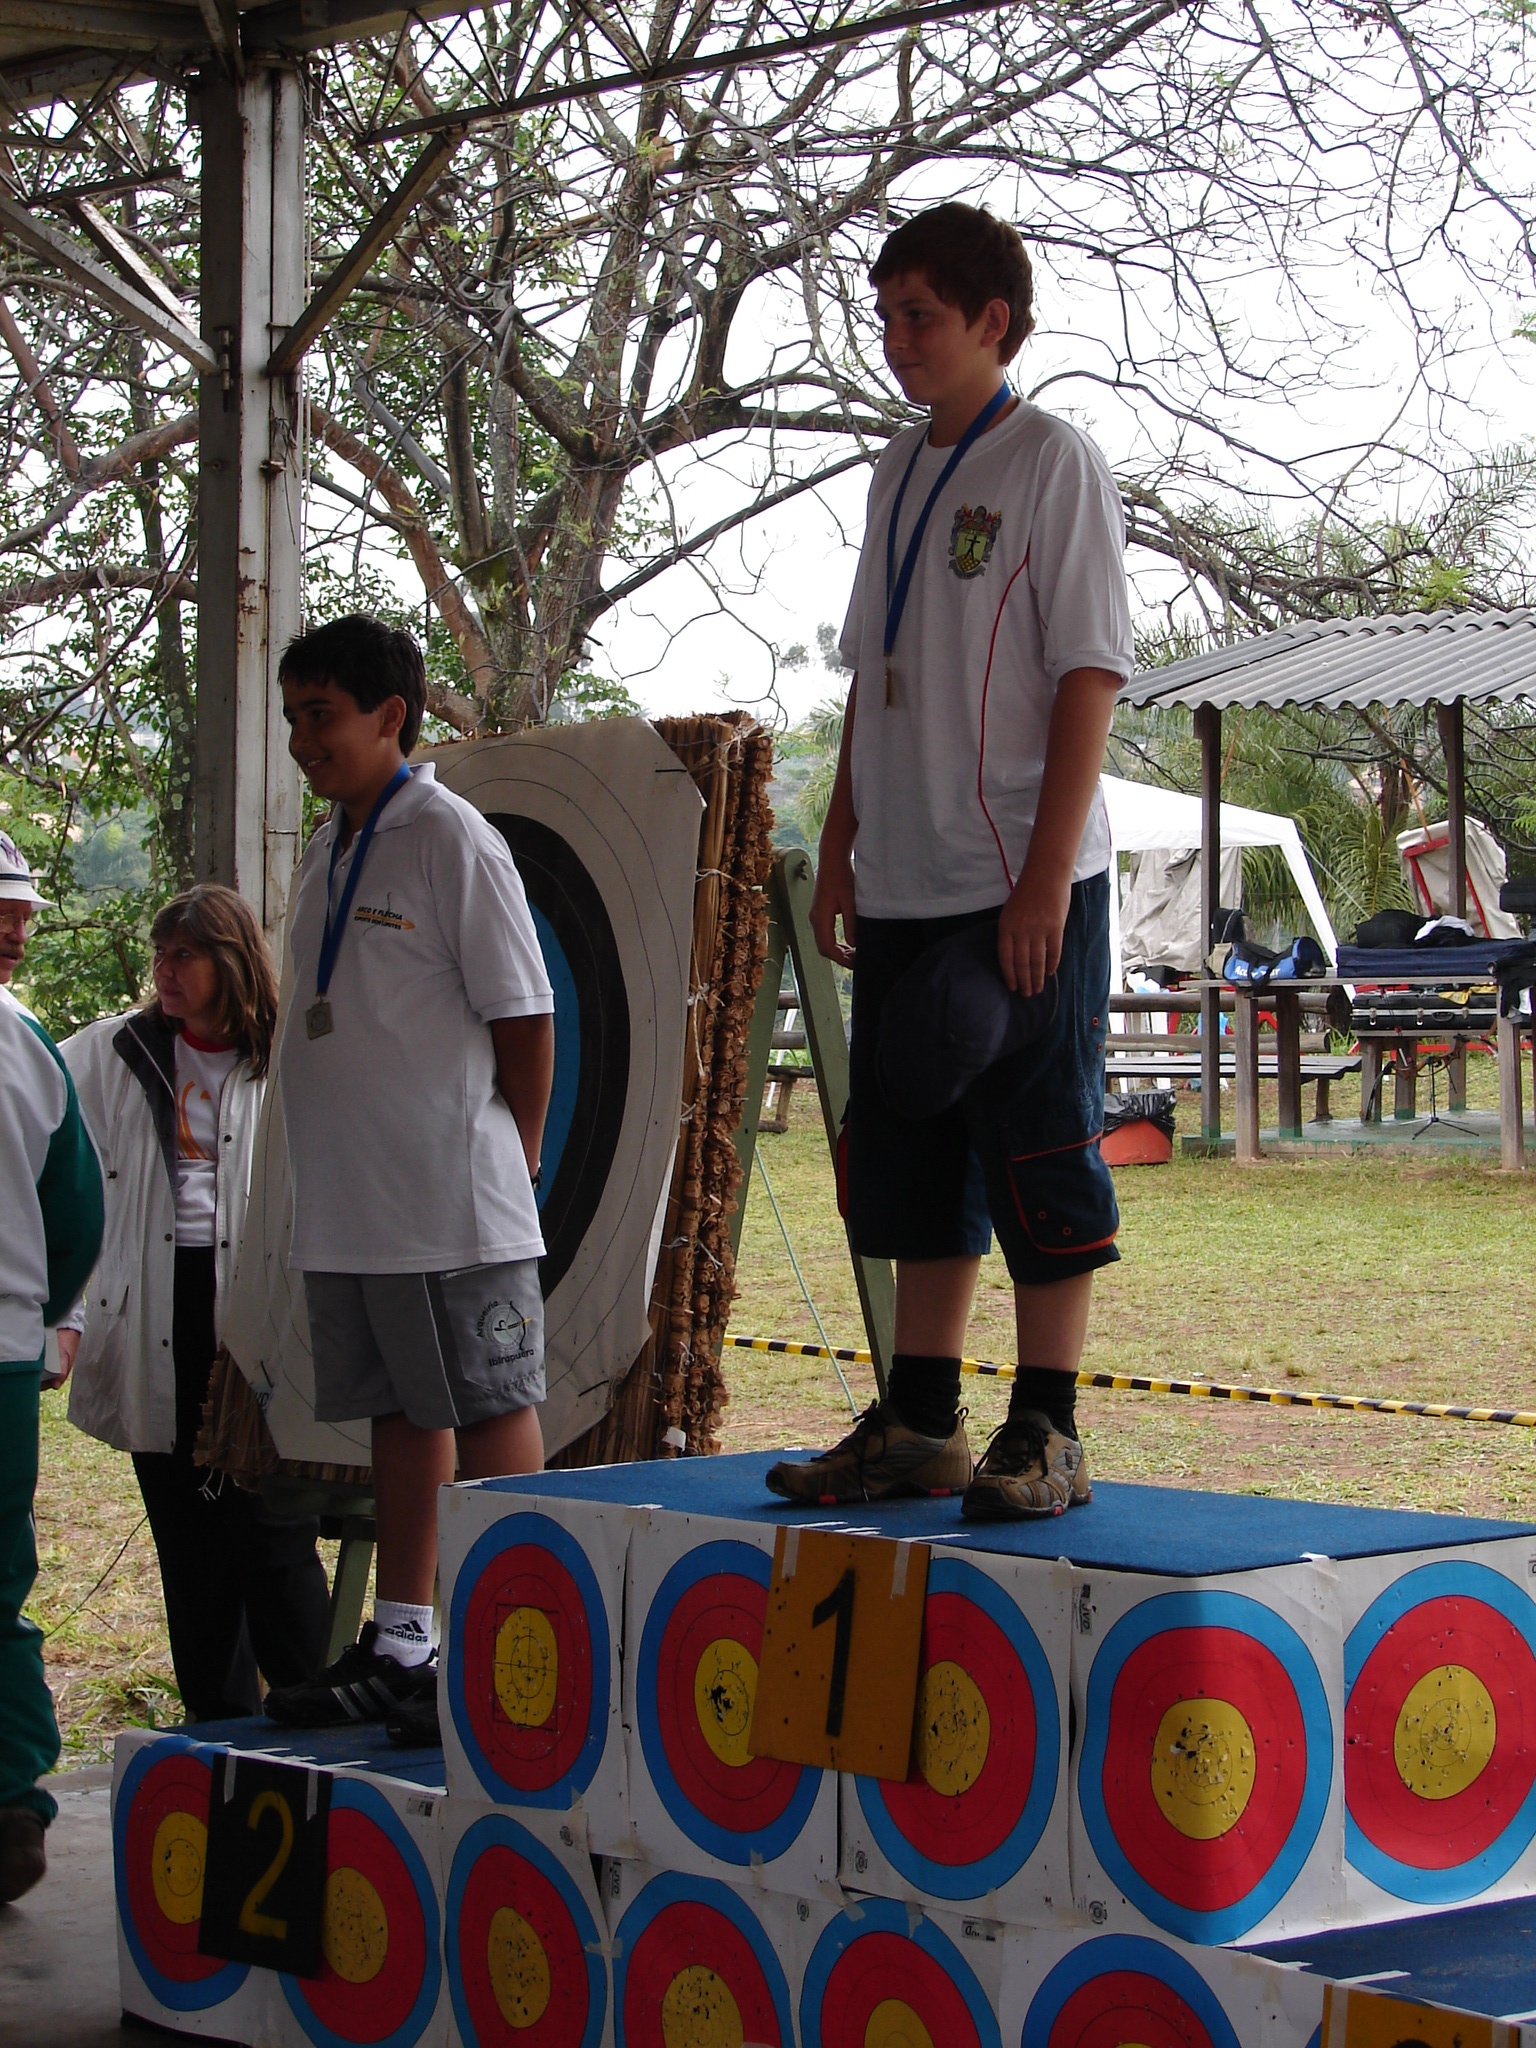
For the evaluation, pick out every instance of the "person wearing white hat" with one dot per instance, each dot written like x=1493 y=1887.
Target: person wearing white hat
x=51 y=1198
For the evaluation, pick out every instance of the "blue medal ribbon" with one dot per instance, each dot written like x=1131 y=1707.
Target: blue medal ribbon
x=897 y=586
x=331 y=937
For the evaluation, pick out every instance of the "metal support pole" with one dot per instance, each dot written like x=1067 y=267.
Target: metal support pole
x=1450 y=718
x=250 y=511
x=1208 y=732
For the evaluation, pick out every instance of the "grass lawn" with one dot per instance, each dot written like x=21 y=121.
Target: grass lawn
x=1385 y=1273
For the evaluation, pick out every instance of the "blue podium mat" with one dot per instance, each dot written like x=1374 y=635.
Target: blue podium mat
x=1482 y=1958
x=363 y=1747
x=1125 y=1528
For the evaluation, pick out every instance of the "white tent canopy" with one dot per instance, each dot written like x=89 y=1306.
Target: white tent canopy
x=1145 y=819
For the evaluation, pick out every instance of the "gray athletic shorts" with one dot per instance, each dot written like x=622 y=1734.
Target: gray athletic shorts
x=443 y=1349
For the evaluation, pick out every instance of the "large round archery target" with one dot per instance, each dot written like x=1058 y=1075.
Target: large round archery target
x=988 y=1745
x=380 y=1967
x=876 y=1982
x=529 y=1662
x=1440 y=1733
x=1123 y=1987
x=692 y=1965
x=159 y=1852
x=524 y=1954
x=586 y=1108
x=1207 y=1761
x=603 y=821
x=695 y=1684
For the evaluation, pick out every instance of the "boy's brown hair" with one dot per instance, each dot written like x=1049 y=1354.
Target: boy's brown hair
x=968 y=257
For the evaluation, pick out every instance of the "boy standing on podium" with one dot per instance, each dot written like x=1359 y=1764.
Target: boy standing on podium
x=989 y=632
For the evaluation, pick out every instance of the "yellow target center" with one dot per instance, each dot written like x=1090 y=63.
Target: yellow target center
x=526 y=1667
x=176 y=1867
x=519 y=1969
x=1203 y=1767
x=954 y=1729
x=699 y=2011
x=724 y=1687
x=1446 y=1731
x=354 y=1928
x=893 y=2024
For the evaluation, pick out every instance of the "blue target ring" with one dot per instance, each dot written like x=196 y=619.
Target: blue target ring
x=1429 y=1597
x=194 y=1992
x=350 y=1795
x=948 y=1575
x=1125 y=1965
x=1307 y=1778
x=774 y=1822
x=675 y=1912
x=471 y=1636
x=498 y=1831
x=918 y=1965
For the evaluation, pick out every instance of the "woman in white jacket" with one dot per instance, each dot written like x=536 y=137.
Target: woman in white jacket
x=171 y=1094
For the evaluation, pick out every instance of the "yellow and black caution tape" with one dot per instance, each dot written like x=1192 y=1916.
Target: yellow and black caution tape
x=1209 y=1390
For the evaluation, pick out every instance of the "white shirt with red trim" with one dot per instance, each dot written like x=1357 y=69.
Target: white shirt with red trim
x=201 y=1071
x=1021 y=578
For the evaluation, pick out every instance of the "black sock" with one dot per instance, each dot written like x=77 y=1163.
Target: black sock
x=1050 y=1393
x=925 y=1392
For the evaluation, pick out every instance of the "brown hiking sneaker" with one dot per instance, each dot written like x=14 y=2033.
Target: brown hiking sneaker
x=879 y=1459
x=1027 y=1470
x=23 y=1859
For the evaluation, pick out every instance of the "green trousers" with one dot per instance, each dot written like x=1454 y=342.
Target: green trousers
x=29 y=1735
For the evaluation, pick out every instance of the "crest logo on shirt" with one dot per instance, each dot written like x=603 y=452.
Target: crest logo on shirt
x=971 y=538
x=391 y=919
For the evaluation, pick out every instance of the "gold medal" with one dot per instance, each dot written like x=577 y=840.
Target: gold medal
x=318 y=1021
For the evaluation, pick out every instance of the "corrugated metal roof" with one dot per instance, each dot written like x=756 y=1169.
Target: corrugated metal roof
x=1345 y=664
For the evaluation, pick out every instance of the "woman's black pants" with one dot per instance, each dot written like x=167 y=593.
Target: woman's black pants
x=244 y=1588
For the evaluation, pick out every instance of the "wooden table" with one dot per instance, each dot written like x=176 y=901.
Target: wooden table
x=1285 y=1001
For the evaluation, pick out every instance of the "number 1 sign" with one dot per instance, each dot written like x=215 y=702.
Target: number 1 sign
x=837 y=1680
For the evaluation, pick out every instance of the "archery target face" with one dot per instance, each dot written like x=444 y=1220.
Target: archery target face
x=694 y=1966
x=876 y=1981
x=531 y=1652
x=1207 y=1760
x=987 y=1755
x=700 y=1635
x=603 y=822
x=381 y=1968
x=525 y=1957
x=1440 y=1733
x=159 y=1852
x=1121 y=1988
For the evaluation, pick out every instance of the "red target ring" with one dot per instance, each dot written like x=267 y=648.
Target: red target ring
x=884 y=1969
x=165 y=1845
x=1127 y=2005
x=375 y=1932
x=531 y=1724
x=1470 y=1665
x=553 y=2001
x=744 y=1797
x=1223 y=1665
x=967 y=1826
x=691 y=1967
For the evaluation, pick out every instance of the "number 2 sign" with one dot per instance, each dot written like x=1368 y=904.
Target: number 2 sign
x=264 y=1890
x=837 y=1679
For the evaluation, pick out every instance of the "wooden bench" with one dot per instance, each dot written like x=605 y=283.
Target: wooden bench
x=1175 y=1055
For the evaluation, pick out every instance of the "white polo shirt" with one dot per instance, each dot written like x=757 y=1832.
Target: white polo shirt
x=404 y=1154
x=1021 y=578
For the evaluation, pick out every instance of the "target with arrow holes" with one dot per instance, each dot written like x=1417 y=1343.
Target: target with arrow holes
x=1440 y=1733
x=693 y=1964
x=696 y=1682
x=876 y=1981
x=1125 y=1987
x=160 y=1852
x=1207 y=1761
x=530 y=1662
x=525 y=1959
x=988 y=1745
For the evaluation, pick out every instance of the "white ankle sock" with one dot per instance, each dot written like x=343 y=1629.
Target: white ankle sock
x=405 y=1632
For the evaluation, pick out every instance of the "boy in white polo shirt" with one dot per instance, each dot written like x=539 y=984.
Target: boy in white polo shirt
x=416 y=1064
x=989 y=632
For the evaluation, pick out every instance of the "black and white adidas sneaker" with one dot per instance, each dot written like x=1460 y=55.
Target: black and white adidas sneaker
x=362 y=1685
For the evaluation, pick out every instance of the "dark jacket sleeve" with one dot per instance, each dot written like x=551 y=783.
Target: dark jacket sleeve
x=69 y=1193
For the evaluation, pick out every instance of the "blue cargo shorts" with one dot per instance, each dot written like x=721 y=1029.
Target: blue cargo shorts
x=1020 y=1153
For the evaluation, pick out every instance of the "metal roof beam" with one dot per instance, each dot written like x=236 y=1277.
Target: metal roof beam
x=127 y=261
x=222 y=20
x=65 y=74
x=75 y=263
x=354 y=266
x=64 y=196
x=112 y=28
